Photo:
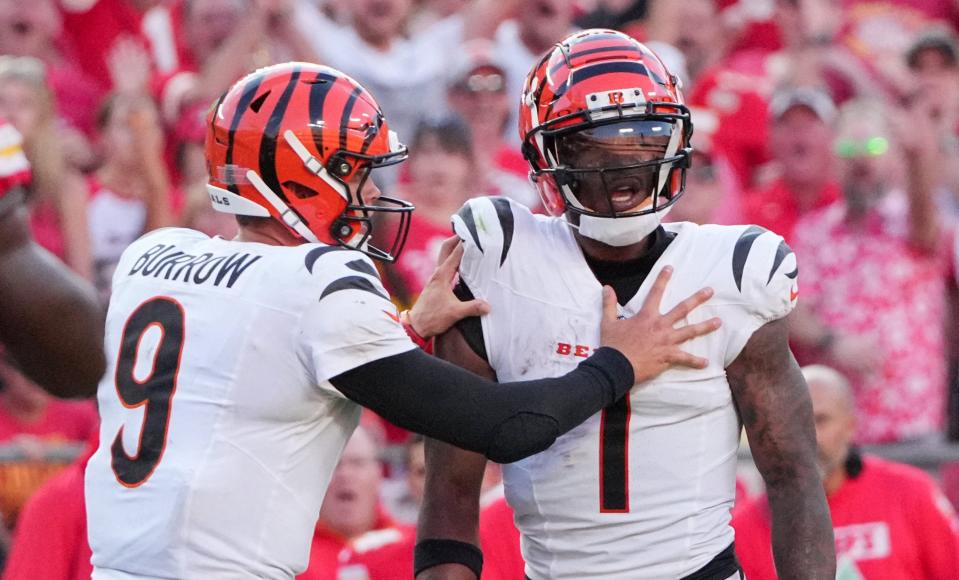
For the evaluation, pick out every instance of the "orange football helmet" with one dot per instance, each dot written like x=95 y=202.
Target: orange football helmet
x=603 y=85
x=297 y=142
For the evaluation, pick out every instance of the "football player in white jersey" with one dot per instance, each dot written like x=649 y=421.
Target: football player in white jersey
x=237 y=367
x=643 y=489
x=49 y=317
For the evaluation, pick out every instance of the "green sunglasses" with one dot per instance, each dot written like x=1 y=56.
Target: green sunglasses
x=872 y=147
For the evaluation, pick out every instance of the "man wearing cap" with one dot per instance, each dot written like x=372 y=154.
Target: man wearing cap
x=875 y=266
x=801 y=135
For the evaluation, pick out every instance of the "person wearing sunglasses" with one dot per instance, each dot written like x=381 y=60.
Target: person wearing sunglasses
x=876 y=265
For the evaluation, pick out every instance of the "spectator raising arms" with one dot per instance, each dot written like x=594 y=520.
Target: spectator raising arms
x=58 y=196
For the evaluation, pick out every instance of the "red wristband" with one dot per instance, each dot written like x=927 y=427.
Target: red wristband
x=424 y=343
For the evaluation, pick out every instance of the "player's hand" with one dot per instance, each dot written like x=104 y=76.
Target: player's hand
x=650 y=340
x=437 y=308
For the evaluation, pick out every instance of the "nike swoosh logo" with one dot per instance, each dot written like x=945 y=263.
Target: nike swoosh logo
x=793 y=294
x=395 y=317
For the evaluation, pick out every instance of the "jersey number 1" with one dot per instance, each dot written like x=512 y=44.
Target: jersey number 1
x=155 y=391
x=614 y=458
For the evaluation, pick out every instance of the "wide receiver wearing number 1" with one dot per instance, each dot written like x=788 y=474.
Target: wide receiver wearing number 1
x=643 y=489
x=238 y=367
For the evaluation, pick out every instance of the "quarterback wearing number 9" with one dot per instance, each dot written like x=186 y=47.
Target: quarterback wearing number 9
x=237 y=368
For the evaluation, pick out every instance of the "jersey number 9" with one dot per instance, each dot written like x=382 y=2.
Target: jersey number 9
x=153 y=392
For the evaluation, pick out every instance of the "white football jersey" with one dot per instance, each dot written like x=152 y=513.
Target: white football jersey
x=219 y=428
x=643 y=489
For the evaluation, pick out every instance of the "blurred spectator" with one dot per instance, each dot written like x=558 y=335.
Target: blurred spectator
x=875 y=268
x=933 y=59
x=694 y=27
x=408 y=74
x=713 y=194
x=891 y=521
x=58 y=197
x=34 y=29
x=220 y=41
x=131 y=190
x=390 y=556
x=704 y=192
x=92 y=27
x=499 y=540
x=880 y=31
x=617 y=14
x=199 y=215
x=49 y=321
x=442 y=171
x=521 y=41
x=405 y=506
x=352 y=514
x=51 y=538
x=801 y=138
x=32 y=424
x=477 y=93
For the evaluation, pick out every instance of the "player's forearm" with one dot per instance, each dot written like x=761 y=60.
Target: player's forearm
x=802 y=535
x=447 y=572
x=924 y=227
x=50 y=320
x=505 y=422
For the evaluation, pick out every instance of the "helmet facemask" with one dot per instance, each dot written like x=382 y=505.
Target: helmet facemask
x=608 y=156
x=347 y=173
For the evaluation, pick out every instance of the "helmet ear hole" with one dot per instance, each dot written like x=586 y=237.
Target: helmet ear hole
x=339 y=166
x=341 y=229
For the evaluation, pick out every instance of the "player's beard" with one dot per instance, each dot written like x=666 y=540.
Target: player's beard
x=619 y=232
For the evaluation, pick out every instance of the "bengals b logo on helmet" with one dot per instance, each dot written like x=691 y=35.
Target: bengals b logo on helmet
x=296 y=142
x=596 y=78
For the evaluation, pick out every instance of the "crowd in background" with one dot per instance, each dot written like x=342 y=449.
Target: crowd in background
x=832 y=123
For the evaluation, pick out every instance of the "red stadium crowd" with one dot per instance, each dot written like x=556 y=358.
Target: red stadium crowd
x=832 y=123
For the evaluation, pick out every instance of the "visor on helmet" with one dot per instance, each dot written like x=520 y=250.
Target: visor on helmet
x=620 y=168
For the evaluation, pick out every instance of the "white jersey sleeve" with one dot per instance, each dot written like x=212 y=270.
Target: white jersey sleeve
x=353 y=321
x=766 y=274
x=487 y=226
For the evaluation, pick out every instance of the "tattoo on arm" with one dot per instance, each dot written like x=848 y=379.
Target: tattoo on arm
x=774 y=406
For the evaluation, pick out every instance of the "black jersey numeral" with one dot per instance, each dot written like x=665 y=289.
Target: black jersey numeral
x=614 y=458
x=155 y=392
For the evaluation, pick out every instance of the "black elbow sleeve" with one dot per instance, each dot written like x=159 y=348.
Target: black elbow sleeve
x=522 y=435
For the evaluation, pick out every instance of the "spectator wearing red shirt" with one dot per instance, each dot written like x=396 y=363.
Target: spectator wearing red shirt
x=352 y=514
x=389 y=556
x=45 y=315
x=499 y=540
x=92 y=27
x=51 y=537
x=35 y=29
x=441 y=168
x=891 y=522
x=876 y=266
x=800 y=139
x=34 y=425
x=58 y=193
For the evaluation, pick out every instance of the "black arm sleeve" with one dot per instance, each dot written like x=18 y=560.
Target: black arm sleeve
x=506 y=422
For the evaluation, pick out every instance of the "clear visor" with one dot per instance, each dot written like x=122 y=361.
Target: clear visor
x=619 y=168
